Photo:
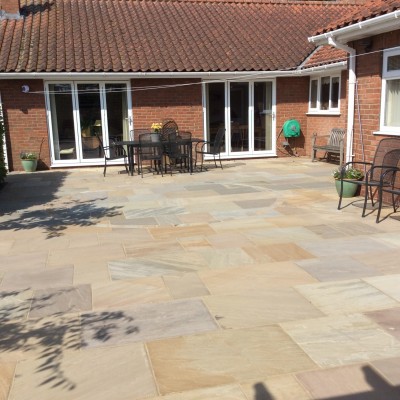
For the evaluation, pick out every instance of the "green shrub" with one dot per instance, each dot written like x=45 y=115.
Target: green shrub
x=28 y=155
x=349 y=173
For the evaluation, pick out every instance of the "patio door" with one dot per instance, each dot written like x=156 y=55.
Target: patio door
x=79 y=113
x=247 y=110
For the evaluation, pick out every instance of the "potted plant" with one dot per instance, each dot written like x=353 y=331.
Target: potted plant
x=347 y=174
x=156 y=127
x=29 y=161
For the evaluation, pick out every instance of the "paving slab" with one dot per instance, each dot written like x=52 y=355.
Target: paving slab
x=352 y=382
x=347 y=296
x=343 y=339
x=269 y=307
x=277 y=387
x=114 y=373
x=56 y=301
x=222 y=358
x=28 y=279
x=146 y=322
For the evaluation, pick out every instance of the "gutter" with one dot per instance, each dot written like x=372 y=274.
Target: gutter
x=373 y=26
x=351 y=94
x=153 y=75
x=132 y=75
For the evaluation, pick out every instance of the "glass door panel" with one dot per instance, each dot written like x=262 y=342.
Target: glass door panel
x=117 y=112
x=89 y=119
x=239 y=115
x=215 y=110
x=263 y=116
x=62 y=121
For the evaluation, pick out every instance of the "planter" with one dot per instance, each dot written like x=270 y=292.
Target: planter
x=29 y=165
x=349 y=188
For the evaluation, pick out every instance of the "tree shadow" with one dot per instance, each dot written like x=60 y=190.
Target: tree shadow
x=49 y=337
x=31 y=201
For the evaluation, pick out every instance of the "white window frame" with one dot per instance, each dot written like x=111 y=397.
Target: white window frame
x=331 y=110
x=387 y=76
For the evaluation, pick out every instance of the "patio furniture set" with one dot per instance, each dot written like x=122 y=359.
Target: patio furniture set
x=167 y=147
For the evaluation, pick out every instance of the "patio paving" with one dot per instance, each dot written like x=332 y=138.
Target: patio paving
x=238 y=284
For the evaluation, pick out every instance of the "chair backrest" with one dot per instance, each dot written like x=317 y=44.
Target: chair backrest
x=112 y=151
x=387 y=154
x=219 y=139
x=150 y=146
x=336 y=136
x=177 y=145
x=168 y=126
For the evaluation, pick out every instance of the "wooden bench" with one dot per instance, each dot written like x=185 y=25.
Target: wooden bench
x=332 y=143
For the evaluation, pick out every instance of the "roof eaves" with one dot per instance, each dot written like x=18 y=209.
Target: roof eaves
x=369 y=27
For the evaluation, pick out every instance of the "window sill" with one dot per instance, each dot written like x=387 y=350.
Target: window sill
x=335 y=113
x=387 y=133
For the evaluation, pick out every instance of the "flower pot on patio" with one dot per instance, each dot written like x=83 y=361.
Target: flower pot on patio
x=349 y=188
x=347 y=174
x=29 y=165
x=29 y=161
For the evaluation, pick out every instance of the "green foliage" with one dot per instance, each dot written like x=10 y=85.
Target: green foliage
x=28 y=155
x=3 y=170
x=348 y=173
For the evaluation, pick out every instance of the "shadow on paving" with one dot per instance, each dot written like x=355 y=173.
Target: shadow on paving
x=380 y=389
x=29 y=201
x=47 y=338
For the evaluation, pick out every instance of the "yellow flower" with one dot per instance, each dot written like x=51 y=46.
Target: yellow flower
x=156 y=126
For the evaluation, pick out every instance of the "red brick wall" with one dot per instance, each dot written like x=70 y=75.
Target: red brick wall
x=369 y=85
x=292 y=103
x=181 y=103
x=25 y=121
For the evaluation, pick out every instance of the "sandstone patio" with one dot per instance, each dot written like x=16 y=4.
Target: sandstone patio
x=236 y=284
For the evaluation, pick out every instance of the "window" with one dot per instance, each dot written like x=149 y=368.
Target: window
x=324 y=94
x=390 y=103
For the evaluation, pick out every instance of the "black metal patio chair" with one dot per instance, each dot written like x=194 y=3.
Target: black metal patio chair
x=168 y=126
x=151 y=150
x=205 y=147
x=392 y=175
x=177 y=150
x=387 y=157
x=113 y=152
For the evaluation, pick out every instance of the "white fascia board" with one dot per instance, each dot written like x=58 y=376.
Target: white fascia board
x=334 y=67
x=359 y=30
x=147 y=75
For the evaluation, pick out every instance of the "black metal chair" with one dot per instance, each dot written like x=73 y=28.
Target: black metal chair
x=391 y=175
x=151 y=149
x=387 y=157
x=204 y=148
x=168 y=126
x=113 y=152
x=178 y=150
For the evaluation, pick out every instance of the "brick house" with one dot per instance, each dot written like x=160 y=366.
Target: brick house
x=72 y=68
x=371 y=37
